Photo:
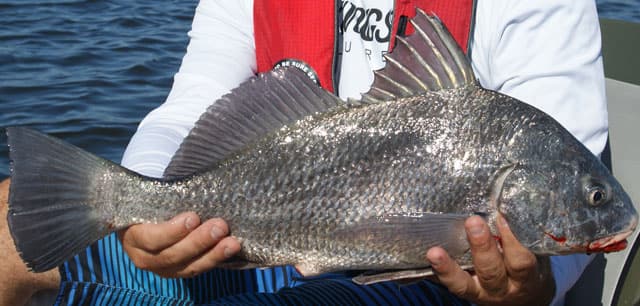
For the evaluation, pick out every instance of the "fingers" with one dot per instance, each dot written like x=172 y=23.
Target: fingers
x=451 y=275
x=519 y=262
x=490 y=273
x=198 y=242
x=225 y=249
x=181 y=247
x=508 y=276
x=487 y=259
x=156 y=237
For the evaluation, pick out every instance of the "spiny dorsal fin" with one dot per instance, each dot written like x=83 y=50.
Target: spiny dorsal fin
x=427 y=60
x=255 y=108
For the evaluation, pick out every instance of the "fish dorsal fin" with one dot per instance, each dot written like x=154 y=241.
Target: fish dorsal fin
x=427 y=60
x=255 y=108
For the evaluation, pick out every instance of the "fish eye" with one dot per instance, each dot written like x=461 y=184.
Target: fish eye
x=597 y=195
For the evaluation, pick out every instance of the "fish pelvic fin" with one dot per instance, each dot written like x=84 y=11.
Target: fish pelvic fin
x=401 y=276
x=427 y=60
x=51 y=213
x=260 y=106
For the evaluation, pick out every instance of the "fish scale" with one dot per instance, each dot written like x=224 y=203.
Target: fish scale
x=303 y=178
x=329 y=184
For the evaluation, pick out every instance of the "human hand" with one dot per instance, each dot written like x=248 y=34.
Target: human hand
x=510 y=276
x=180 y=247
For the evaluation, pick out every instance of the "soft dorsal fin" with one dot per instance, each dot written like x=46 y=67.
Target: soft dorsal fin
x=253 y=109
x=427 y=60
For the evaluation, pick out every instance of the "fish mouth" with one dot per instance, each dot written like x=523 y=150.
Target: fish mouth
x=617 y=242
x=614 y=243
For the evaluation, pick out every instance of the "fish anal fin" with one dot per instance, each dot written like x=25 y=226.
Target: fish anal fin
x=238 y=264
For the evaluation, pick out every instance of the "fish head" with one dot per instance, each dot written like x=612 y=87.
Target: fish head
x=566 y=206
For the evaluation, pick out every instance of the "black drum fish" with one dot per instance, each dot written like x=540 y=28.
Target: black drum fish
x=304 y=178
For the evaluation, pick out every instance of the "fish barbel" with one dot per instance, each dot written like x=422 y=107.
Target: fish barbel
x=306 y=179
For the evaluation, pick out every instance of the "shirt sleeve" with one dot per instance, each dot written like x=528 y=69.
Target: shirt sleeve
x=547 y=53
x=220 y=56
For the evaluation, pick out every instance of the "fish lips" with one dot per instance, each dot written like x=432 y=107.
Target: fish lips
x=611 y=243
x=617 y=242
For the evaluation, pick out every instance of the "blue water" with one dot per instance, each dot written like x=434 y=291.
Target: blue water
x=628 y=10
x=87 y=71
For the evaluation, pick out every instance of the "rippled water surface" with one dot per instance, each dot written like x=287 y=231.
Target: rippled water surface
x=628 y=10
x=88 y=71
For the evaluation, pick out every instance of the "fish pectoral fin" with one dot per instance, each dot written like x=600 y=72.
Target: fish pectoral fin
x=414 y=233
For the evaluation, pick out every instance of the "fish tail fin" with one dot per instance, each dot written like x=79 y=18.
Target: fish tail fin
x=53 y=211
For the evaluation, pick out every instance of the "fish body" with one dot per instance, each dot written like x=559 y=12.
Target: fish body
x=322 y=183
x=305 y=179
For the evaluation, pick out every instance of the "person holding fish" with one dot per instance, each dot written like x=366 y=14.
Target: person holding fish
x=515 y=48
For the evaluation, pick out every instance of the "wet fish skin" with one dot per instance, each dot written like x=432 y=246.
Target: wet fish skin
x=314 y=183
x=305 y=179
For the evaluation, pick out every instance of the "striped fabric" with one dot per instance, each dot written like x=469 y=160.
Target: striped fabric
x=104 y=275
x=345 y=292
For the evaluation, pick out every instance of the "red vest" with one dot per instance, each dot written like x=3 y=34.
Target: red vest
x=306 y=30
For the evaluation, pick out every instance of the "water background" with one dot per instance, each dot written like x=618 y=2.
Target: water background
x=87 y=71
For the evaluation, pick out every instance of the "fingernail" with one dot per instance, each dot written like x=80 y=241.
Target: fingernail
x=503 y=222
x=189 y=223
x=476 y=230
x=434 y=257
x=227 y=252
x=216 y=233
x=436 y=260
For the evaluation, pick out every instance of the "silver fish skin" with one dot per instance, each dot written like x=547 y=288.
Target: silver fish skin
x=305 y=179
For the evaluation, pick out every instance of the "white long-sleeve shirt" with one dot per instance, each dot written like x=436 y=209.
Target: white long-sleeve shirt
x=545 y=53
